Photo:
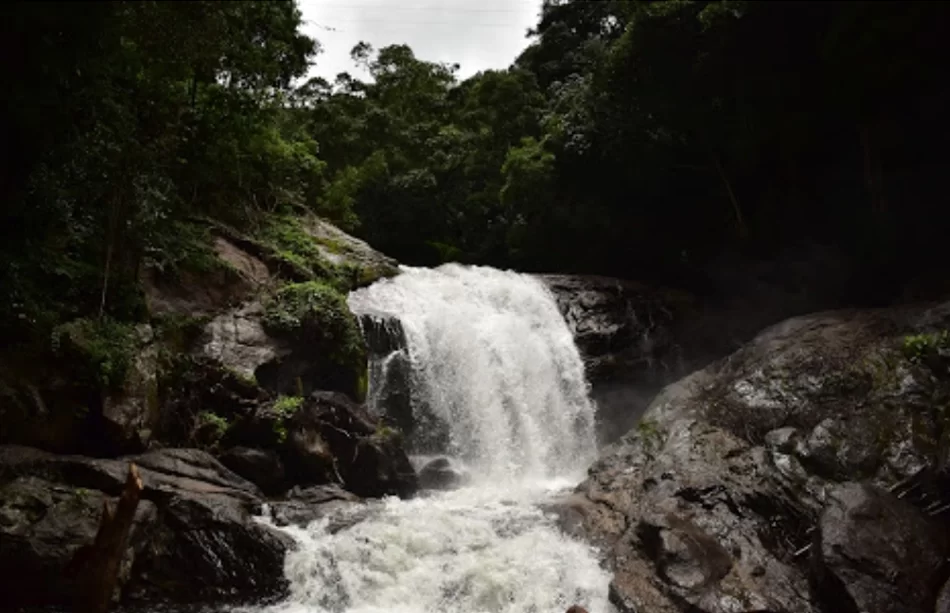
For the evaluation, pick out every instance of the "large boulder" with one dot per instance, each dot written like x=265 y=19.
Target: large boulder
x=331 y=438
x=635 y=338
x=713 y=501
x=262 y=467
x=366 y=264
x=621 y=327
x=42 y=526
x=877 y=553
x=439 y=474
x=304 y=505
x=195 y=537
x=234 y=276
x=628 y=335
x=237 y=339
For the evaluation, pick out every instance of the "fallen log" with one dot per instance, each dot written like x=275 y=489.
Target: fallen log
x=98 y=564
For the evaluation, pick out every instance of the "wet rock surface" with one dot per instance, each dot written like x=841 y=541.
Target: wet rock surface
x=877 y=553
x=195 y=537
x=439 y=474
x=628 y=335
x=262 y=467
x=306 y=505
x=756 y=483
x=366 y=457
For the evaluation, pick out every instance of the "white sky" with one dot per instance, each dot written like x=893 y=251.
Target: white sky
x=476 y=35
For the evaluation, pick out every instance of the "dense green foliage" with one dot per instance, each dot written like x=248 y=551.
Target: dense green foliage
x=284 y=408
x=100 y=351
x=125 y=119
x=641 y=139
x=644 y=139
x=316 y=314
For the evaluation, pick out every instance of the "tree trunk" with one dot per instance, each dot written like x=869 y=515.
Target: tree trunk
x=101 y=560
x=111 y=238
x=740 y=222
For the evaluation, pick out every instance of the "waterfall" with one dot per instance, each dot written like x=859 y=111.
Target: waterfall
x=494 y=380
x=493 y=360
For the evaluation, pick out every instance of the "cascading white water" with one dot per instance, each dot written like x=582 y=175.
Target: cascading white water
x=493 y=359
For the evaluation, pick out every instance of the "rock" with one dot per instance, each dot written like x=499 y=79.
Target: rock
x=194 y=293
x=263 y=468
x=199 y=386
x=131 y=416
x=331 y=438
x=943 y=599
x=42 y=525
x=711 y=503
x=209 y=548
x=381 y=468
x=627 y=334
x=439 y=475
x=53 y=408
x=383 y=333
x=877 y=553
x=310 y=459
x=195 y=537
x=237 y=340
x=688 y=520
x=367 y=264
x=306 y=505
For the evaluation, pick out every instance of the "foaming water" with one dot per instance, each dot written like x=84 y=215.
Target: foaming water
x=493 y=360
x=472 y=550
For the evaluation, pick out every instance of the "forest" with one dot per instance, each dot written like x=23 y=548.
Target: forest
x=638 y=139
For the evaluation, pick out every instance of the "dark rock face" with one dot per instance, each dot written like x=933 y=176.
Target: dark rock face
x=717 y=499
x=305 y=505
x=42 y=525
x=50 y=407
x=628 y=335
x=261 y=467
x=383 y=333
x=621 y=327
x=635 y=339
x=331 y=438
x=439 y=475
x=878 y=553
x=194 y=537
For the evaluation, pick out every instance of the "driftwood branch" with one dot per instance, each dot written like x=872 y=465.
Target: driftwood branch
x=101 y=560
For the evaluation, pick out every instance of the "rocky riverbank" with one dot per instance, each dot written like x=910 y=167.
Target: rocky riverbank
x=802 y=473
x=242 y=385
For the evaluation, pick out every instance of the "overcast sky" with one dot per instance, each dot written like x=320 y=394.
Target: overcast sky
x=476 y=35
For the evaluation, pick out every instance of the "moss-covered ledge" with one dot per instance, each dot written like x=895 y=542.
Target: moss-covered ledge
x=314 y=319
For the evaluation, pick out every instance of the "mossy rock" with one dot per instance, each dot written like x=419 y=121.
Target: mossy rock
x=315 y=319
x=100 y=350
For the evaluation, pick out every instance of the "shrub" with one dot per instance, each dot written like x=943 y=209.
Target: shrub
x=103 y=349
x=317 y=314
x=290 y=242
x=919 y=347
x=284 y=407
x=287 y=405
